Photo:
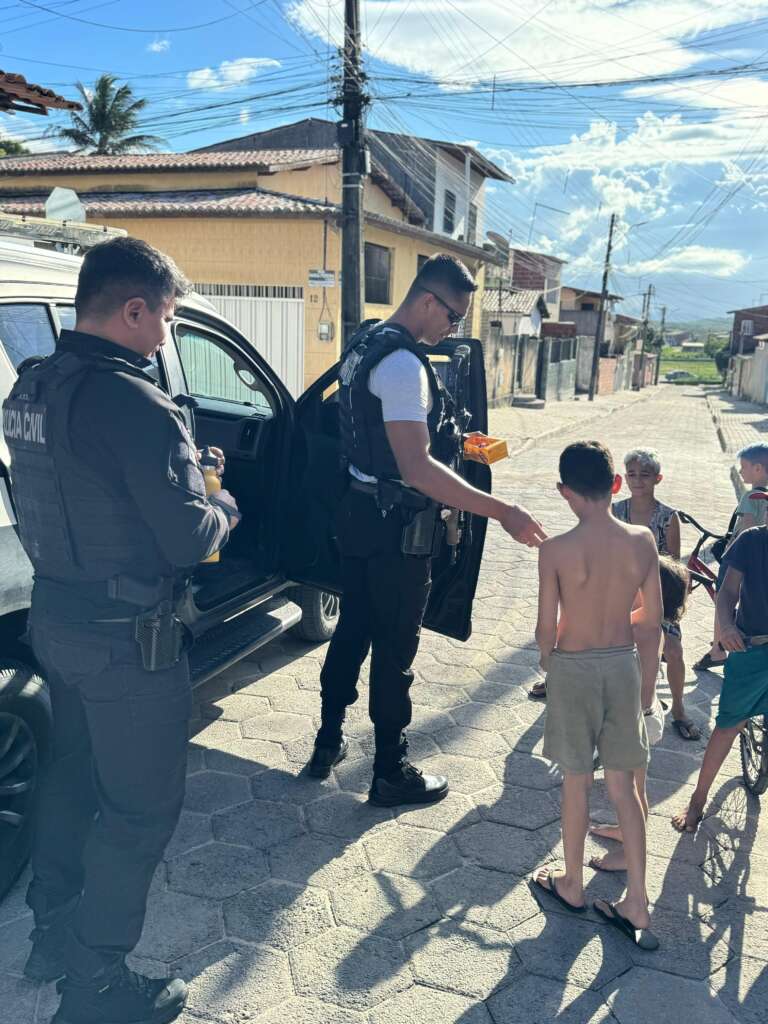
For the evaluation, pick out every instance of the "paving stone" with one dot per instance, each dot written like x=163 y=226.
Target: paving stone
x=347 y=815
x=526 y=1000
x=520 y=769
x=245 y=757
x=195 y=759
x=216 y=735
x=322 y=861
x=470 y=742
x=465 y=774
x=217 y=870
x=260 y=823
x=192 y=830
x=290 y=786
x=674 y=765
x=212 y=791
x=503 y=848
x=277 y=914
x=308 y=1011
x=384 y=904
x=484 y=897
x=431 y=721
x=645 y=995
x=450 y=675
x=577 y=952
x=15 y=944
x=298 y=752
x=500 y=694
x=664 y=841
x=237 y=707
x=414 y=852
x=232 y=983
x=177 y=924
x=740 y=873
x=435 y=695
x=461 y=957
x=676 y=885
x=493 y=718
x=447 y=815
x=277 y=726
x=421 y=1005
x=348 y=969
x=691 y=948
x=742 y=923
x=18 y=999
x=743 y=987
x=518 y=806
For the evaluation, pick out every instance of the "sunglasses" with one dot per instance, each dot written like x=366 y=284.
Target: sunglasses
x=454 y=318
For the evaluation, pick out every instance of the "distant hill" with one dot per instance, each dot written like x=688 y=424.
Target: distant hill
x=701 y=328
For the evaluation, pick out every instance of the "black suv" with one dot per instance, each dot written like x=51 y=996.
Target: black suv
x=280 y=568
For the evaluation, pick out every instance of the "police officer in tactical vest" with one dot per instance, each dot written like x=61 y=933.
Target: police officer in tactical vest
x=112 y=512
x=398 y=438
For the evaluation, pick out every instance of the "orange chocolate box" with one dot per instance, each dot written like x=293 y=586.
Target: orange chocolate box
x=482 y=448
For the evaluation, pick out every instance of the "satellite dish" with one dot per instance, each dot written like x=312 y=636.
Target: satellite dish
x=64 y=204
x=498 y=240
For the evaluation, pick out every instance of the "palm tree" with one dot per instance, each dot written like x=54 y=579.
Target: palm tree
x=110 y=114
x=9 y=147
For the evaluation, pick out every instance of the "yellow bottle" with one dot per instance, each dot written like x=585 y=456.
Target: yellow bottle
x=209 y=464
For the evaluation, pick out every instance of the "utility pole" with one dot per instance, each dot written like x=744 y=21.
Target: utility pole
x=353 y=170
x=661 y=342
x=600 y=328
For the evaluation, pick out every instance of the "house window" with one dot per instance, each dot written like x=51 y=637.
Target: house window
x=420 y=261
x=472 y=233
x=747 y=327
x=449 y=213
x=378 y=272
x=588 y=307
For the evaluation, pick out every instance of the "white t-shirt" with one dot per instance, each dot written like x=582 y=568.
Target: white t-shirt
x=401 y=384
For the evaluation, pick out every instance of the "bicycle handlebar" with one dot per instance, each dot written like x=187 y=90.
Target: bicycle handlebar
x=685 y=518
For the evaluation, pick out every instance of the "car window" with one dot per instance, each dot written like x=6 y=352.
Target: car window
x=215 y=370
x=67 y=317
x=26 y=330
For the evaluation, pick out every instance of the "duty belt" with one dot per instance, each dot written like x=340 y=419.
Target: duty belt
x=391 y=493
x=142 y=593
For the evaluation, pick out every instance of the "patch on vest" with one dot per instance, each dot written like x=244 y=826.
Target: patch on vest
x=349 y=366
x=24 y=424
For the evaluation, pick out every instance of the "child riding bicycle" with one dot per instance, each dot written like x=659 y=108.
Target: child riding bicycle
x=745 y=684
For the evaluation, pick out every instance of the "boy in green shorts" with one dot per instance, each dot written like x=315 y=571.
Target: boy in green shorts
x=745 y=682
x=594 y=688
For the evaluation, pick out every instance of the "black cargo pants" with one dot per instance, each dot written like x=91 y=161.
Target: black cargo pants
x=385 y=596
x=111 y=795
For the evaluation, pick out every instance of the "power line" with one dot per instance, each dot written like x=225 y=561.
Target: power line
x=123 y=28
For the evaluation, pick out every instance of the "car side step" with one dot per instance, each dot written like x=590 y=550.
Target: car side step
x=226 y=644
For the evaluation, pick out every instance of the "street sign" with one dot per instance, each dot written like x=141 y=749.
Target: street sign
x=64 y=204
x=322 y=279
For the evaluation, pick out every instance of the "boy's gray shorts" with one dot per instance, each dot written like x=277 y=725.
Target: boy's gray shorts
x=593 y=702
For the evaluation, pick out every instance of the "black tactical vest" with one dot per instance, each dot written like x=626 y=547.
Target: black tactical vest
x=74 y=525
x=363 y=435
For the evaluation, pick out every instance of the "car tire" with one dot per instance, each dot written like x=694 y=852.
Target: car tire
x=319 y=614
x=25 y=738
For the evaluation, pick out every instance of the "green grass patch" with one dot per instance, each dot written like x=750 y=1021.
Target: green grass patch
x=704 y=370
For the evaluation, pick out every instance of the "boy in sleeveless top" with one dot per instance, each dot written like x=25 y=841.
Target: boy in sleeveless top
x=642 y=472
x=594 y=699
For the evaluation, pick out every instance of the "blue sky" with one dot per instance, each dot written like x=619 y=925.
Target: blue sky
x=655 y=111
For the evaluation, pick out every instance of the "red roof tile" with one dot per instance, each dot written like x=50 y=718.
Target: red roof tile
x=16 y=93
x=259 y=160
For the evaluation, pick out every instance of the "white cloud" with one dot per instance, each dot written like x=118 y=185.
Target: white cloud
x=568 y=40
x=692 y=259
x=159 y=46
x=245 y=115
x=230 y=73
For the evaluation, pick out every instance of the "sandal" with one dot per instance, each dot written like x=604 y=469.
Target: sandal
x=685 y=729
x=551 y=888
x=538 y=691
x=643 y=938
x=707 y=663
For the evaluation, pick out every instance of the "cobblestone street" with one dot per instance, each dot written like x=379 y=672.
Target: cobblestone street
x=284 y=900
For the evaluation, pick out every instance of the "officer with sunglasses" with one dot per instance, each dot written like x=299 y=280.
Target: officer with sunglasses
x=398 y=440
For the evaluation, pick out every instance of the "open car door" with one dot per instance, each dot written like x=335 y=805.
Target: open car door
x=310 y=552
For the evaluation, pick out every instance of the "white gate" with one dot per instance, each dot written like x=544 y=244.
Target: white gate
x=272 y=319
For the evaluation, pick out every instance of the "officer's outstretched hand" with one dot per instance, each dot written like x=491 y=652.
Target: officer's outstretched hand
x=522 y=527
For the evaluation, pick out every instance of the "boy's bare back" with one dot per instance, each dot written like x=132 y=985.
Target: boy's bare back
x=597 y=569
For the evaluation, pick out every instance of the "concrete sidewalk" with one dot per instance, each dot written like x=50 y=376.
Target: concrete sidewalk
x=738 y=423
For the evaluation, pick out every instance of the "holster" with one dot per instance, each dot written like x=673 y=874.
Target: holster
x=422 y=533
x=160 y=634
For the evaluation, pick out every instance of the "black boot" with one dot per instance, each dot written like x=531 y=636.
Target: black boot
x=331 y=748
x=397 y=781
x=125 y=998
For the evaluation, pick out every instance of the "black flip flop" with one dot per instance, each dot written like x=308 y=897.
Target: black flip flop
x=686 y=729
x=643 y=938
x=551 y=888
x=707 y=663
x=541 y=694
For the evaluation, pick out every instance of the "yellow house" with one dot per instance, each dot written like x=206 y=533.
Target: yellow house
x=256 y=231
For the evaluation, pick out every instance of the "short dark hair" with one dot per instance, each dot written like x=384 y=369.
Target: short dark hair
x=446 y=271
x=675 y=583
x=756 y=453
x=587 y=468
x=123 y=269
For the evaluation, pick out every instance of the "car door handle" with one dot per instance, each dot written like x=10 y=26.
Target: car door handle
x=248 y=434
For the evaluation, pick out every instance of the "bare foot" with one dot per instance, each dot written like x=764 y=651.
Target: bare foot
x=606 y=832
x=613 y=861
x=689 y=819
x=569 y=891
x=636 y=914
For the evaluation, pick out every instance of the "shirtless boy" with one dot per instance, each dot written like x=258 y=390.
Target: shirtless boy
x=591 y=576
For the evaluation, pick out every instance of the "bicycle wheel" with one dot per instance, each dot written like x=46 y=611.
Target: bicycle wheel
x=754 y=755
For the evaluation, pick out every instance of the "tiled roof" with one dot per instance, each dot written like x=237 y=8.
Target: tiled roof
x=523 y=302
x=16 y=93
x=259 y=160
x=207 y=203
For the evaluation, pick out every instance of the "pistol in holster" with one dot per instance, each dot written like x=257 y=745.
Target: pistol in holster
x=160 y=634
x=422 y=531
